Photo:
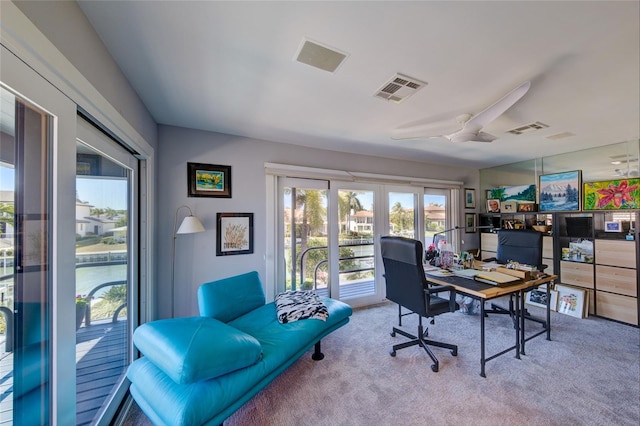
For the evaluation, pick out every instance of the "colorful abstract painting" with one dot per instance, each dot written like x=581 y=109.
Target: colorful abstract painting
x=619 y=194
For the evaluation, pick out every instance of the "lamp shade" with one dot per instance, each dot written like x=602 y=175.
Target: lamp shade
x=190 y=225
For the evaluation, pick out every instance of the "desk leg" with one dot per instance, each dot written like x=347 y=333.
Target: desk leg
x=521 y=319
x=518 y=314
x=482 y=361
x=548 y=311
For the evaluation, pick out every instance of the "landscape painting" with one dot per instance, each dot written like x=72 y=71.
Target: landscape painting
x=619 y=194
x=514 y=193
x=560 y=191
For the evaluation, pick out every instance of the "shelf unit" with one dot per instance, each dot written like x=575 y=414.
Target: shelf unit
x=579 y=249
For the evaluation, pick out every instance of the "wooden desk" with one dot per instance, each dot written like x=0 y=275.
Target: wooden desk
x=484 y=292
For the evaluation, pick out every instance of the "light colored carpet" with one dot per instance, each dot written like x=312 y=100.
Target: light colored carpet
x=588 y=374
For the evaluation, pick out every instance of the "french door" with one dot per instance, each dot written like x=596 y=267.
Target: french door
x=329 y=231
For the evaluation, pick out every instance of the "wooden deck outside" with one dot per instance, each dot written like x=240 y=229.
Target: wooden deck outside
x=101 y=360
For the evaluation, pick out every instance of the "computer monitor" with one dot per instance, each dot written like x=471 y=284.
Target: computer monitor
x=579 y=227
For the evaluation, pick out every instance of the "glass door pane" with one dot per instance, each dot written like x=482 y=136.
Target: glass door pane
x=356 y=253
x=104 y=221
x=435 y=216
x=305 y=234
x=402 y=214
x=25 y=283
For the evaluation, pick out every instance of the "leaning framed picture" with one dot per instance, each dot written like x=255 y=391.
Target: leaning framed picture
x=469 y=222
x=619 y=194
x=560 y=191
x=469 y=198
x=234 y=233
x=209 y=180
x=571 y=300
x=538 y=297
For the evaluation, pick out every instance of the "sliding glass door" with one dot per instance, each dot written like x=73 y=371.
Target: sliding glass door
x=106 y=271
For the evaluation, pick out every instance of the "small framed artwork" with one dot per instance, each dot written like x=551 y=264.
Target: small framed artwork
x=560 y=191
x=527 y=207
x=469 y=222
x=469 y=198
x=209 y=180
x=619 y=194
x=613 y=226
x=571 y=300
x=493 y=206
x=538 y=297
x=509 y=206
x=234 y=233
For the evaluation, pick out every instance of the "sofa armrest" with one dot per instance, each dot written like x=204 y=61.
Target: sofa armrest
x=196 y=348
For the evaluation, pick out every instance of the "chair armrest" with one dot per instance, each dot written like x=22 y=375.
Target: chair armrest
x=437 y=289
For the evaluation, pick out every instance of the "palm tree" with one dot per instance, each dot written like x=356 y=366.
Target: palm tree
x=6 y=215
x=352 y=204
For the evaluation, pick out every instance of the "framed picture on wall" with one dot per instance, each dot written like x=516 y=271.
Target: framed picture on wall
x=469 y=198
x=619 y=194
x=560 y=191
x=234 y=233
x=469 y=222
x=209 y=180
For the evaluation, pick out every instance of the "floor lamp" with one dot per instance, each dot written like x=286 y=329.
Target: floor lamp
x=189 y=225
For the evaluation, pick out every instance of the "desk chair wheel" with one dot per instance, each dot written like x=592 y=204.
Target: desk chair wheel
x=434 y=368
x=393 y=334
x=454 y=352
x=392 y=353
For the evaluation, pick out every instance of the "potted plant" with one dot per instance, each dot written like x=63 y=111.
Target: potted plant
x=81 y=309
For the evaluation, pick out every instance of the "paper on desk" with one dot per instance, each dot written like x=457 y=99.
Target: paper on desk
x=440 y=273
x=466 y=273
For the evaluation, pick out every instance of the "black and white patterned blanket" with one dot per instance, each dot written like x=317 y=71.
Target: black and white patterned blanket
x=296 y=305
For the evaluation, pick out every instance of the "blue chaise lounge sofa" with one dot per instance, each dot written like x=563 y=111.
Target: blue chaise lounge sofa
x=200 y=370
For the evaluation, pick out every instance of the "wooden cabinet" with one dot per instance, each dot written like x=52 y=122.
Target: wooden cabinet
x=547 y=254
x=616 y=280
x=488 y=245
x=615 y=253
x=578 y=274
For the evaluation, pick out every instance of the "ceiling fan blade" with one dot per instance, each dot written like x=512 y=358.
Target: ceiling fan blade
x=494 y=111
x=425 y=131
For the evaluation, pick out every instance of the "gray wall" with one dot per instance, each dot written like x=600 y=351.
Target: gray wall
x=196 y=262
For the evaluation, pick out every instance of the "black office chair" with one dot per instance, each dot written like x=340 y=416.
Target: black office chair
x=522 y=246
x=408 y=287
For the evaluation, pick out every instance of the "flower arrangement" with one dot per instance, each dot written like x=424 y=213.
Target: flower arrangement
x=82 y=301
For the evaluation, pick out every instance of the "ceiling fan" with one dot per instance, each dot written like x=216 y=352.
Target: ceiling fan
x=471 y=125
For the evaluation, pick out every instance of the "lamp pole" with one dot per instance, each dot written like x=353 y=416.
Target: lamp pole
x=189 y=225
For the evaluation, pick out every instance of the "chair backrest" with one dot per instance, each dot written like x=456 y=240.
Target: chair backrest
x=520 y=245
x=404 y=273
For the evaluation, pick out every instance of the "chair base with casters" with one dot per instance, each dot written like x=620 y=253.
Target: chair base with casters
x=422 y=342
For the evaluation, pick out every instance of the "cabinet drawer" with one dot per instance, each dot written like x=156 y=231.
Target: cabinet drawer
x=617 y=280
x=580 y=274
x=547 y=247
x=615 y=253
x=489 y=241
x=617 y=307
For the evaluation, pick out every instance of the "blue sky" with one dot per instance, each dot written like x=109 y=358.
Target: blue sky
x=101 y=192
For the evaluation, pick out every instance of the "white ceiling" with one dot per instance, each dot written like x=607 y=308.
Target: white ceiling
x=229 y=67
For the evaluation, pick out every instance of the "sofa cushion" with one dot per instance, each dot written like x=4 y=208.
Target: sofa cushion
x=196 y=348
x=229 y=298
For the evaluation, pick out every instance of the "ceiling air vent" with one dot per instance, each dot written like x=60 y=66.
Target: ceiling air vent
x=560 y=136
x=399 y=88
x=527 y=128
x=320 y=56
